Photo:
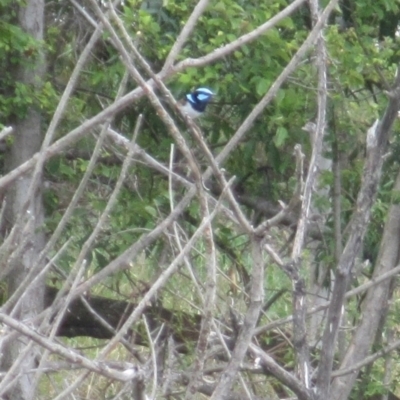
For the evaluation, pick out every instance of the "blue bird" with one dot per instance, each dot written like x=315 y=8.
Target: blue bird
x=195 y=103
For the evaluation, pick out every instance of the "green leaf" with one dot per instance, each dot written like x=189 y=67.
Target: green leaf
x=151 y=210
x=280 y=136
x=262 y=86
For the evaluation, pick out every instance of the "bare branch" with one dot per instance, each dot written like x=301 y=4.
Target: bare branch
x=377 y=142
x=351 y=293
x=186 y=31
x=247 y=38
x=353 y=369
x=66 y=353
x=269 y=365
x=246 y=333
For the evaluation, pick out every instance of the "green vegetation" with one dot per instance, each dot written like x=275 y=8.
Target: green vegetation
x=362 y=54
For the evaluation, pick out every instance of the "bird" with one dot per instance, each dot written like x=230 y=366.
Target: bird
x=195 y=103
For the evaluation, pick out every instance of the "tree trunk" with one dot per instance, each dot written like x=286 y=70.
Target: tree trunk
x=25 y=214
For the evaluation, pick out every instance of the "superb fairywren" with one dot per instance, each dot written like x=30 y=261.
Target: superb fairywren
x=195 y=103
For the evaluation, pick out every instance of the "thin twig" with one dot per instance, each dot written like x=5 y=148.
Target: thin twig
x=186 y=31
x=243 y=341
x=153 y=355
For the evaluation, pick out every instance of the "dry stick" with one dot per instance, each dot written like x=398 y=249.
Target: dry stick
x=337 y=227
x=236 y=44
x=298 y=282
x=207 y=313
x=148 y=160
x=111 y=329
x=153 y=355
x=207 y=301
x=377 y=141
x=186 y=31
x=245 y=387
x=289 y=268
x=72 y=386
x=226 y=379
x=388 y=368
x=228 y=353
x=210 y=295
x=85 y=14
x=176 y=233
x=367 y=360
x=64 y=352
x=126 y=100
x=336 y=201
x=221 y=340
x=271 y=366
x=168 y=370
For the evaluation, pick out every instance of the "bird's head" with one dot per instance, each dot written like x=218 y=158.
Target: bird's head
x=196 y=102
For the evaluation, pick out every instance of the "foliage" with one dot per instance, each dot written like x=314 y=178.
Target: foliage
x=362 y=52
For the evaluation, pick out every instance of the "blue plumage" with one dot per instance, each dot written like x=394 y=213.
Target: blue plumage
x=196 y=102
